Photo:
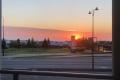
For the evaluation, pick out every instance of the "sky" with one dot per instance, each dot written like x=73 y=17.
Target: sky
x=67 y=15
x=13 y=33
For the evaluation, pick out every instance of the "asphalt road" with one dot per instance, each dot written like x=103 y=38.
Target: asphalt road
x=67 y=61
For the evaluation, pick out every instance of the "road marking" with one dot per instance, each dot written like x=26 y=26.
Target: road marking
x=103 y=67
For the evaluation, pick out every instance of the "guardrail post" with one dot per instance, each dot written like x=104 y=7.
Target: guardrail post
x=15 y=76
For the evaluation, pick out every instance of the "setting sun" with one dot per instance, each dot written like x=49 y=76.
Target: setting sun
x=78 y=37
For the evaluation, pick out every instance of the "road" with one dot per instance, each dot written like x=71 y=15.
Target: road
x=65 y=61
x=68 y=61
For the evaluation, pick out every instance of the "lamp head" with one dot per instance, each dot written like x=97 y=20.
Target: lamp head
x=96 y=8
x=89 y=12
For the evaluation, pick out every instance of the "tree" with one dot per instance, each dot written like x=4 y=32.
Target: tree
x=28 y=45
x=87 y=43
x=33 y=44
x=13 y=44
x=4 y=46
x=48 y=42
x=18 y=43
x=45 y=43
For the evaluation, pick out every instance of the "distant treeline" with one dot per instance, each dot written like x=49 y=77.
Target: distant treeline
x=46 y=43
x=30 y=43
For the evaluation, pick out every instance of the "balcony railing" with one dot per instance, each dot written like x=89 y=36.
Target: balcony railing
x=17 y=73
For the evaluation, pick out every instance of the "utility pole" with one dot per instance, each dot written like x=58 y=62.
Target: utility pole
x=92 y=48
x=3 y=39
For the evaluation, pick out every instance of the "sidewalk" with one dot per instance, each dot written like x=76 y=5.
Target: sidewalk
x=57 y=55
x=33 y=55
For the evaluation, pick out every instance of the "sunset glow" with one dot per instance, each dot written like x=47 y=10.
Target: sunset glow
x=68 y=16
x=78 y=37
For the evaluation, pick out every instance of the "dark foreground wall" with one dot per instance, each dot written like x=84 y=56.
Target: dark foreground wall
x=116 y=39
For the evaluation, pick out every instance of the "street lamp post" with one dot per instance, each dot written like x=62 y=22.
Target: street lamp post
x=92 y=48
x=3 y=39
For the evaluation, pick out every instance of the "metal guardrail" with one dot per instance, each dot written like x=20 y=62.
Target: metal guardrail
x=16 y=74
x=62 y=69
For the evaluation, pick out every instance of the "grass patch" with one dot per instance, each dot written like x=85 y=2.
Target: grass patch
x=14 y=51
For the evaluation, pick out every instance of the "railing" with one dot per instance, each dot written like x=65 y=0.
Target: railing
x=16 y=74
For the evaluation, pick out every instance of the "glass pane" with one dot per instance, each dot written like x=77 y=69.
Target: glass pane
x=57 y=35
x=6 y=77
